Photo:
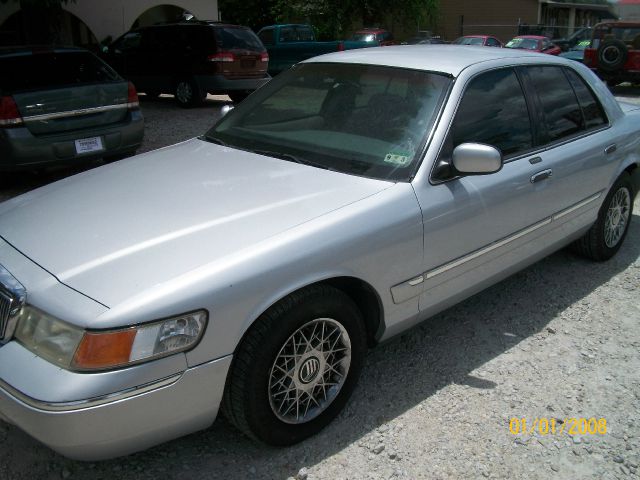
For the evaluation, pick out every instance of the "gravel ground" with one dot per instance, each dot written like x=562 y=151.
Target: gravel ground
x=559 y=340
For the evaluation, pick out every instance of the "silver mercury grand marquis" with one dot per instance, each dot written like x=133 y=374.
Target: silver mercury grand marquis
x=250 y=269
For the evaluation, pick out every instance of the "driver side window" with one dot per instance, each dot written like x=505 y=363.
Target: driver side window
x=493 y=111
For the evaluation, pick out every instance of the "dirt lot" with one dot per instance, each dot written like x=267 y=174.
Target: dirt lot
x=557 y=341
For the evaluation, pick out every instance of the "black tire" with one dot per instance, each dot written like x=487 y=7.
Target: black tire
x=597 y=244
x=238 y=96
x=248 y=396
x=612 y=55
x=188 y=94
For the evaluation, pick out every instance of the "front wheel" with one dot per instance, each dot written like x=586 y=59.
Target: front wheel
x=605 y=237
x=296 y=367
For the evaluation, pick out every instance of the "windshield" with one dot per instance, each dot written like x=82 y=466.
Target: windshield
x=526 y=43
x=358 y=119
x=468 y=41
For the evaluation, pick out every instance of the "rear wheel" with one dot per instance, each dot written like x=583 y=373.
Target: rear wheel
x=605 y=237
x=612 y=55
x=296 y=367
x=188 y=93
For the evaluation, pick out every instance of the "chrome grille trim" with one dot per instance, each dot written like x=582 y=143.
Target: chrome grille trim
x=12 y=297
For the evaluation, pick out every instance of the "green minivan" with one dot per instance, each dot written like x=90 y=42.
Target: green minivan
x=64 y=106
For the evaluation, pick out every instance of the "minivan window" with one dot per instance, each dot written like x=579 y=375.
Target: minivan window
x=494 y=111
x=594 y=115
x=563 y=116
x=239 y=38
x=129 y=41
x=52 y=70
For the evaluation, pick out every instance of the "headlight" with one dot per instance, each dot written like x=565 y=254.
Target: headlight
x=76 y=349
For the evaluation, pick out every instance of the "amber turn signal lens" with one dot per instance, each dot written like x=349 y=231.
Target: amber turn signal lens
x=103 y=350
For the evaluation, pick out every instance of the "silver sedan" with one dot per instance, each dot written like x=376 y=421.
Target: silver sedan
x=250 y=269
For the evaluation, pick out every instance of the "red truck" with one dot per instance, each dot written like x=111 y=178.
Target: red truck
x=614 y=53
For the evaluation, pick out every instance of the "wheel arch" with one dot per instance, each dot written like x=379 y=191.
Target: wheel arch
x=359 y=291
x=634 y=171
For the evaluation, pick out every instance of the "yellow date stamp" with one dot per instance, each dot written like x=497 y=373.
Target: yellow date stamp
x=558 y=426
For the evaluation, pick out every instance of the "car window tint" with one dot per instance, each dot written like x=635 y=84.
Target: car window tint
x=53 y=70
x=130 y=41
x=240 y=38
x=559 y=103
x=266 y=36
x=286 y=35
x=493 y=110
x=592 y=109
x=492 y=42
x=304 y=34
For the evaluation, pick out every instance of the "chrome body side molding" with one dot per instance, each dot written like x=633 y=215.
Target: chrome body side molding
x=413 y=287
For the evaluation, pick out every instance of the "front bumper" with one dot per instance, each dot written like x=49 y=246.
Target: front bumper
x=125 y=421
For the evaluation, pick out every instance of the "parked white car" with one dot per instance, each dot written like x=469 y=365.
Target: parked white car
x=250 y=269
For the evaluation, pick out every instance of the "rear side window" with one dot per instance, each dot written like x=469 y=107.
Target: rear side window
x=594 y=115
x=238 y=38
x=562 y=113
x=43 y=71
x=494 y=111
x=304 y=34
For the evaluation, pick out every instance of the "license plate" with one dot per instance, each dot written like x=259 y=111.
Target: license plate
x=87 y=145
x=248 y=63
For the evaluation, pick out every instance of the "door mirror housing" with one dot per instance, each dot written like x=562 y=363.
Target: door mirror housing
x=476 y=159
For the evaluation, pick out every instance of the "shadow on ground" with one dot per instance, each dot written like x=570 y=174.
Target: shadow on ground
x=397 y=376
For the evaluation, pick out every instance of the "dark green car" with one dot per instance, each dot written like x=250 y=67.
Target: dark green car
x=63 y=106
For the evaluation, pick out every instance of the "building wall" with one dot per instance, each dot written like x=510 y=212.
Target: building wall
x=114 y=17
x=495 y=17
x=628 y=11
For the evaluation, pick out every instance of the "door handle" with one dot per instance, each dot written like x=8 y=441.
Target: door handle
x=610 y=149
x=543 y=175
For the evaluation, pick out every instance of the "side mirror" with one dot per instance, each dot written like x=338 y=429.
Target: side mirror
x=476 y=159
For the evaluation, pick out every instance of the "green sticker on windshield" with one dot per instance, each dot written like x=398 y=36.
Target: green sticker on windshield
x=397 y=158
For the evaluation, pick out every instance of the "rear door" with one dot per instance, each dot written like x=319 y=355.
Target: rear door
x=578 y=153
x=60 y=91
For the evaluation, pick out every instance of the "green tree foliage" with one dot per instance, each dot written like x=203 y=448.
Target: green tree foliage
x=332 y=18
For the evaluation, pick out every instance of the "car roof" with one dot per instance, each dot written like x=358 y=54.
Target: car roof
x=533 y=37
x=449 y=59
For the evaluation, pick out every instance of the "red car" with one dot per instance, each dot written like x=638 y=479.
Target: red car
x=534 y=43
x=484 y=40
x=374 y=35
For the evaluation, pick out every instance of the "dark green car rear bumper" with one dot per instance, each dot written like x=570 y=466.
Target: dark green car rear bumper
x=20 y=149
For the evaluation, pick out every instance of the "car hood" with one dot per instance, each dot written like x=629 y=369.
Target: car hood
x=117 y=230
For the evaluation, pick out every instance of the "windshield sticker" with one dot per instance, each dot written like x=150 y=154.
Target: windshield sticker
x=397 y=158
